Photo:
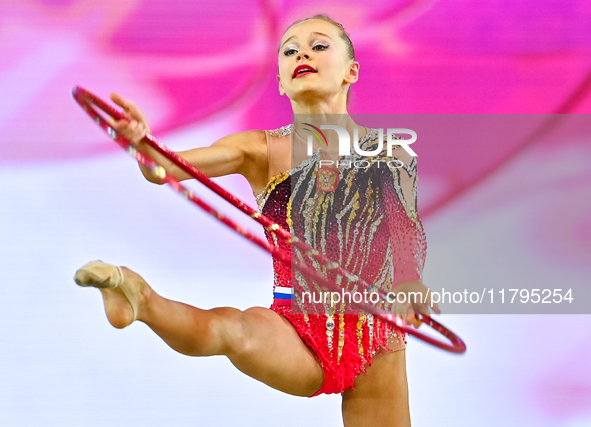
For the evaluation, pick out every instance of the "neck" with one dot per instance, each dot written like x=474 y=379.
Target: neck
x=302 y=129
x=324 y=110
x=317 y=103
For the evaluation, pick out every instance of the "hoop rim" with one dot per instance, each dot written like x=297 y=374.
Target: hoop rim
x=88 y=101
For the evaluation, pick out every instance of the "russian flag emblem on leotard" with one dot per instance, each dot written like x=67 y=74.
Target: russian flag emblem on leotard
x=282 y=295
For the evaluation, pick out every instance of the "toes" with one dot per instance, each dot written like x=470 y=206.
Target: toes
x=99 y=275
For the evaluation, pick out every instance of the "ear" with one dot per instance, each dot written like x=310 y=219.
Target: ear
x=353 y=73
x=281 y=90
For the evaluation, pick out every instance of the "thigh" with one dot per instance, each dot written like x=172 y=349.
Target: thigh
x=272 y=352
x=380 y=398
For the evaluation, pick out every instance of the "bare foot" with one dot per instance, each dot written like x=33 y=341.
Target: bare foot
x=122 y=291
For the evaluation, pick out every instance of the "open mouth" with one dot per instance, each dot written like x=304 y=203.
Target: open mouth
x=303 y=73
x=302 y=70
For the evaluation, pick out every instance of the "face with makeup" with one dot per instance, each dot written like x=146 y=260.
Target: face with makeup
x=318 y=44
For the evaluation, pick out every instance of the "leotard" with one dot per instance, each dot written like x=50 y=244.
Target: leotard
x=392 y=250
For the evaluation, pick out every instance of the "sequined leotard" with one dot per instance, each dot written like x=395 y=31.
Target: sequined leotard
x=383 y=201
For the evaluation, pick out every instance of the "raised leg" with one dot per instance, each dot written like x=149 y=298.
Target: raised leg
x=258 y=341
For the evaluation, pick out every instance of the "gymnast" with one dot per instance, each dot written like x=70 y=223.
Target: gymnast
x=302 y=354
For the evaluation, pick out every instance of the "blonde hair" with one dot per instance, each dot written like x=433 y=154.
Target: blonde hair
x=343 y=33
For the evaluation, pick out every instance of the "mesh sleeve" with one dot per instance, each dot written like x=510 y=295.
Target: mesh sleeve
x=399 y=199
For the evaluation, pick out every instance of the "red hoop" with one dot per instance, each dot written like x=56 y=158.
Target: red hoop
x=88 y=101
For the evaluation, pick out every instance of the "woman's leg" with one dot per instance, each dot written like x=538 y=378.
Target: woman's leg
x=381 y=397
x=258 y=341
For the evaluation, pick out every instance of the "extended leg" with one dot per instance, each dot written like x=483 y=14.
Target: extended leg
x=257 y=341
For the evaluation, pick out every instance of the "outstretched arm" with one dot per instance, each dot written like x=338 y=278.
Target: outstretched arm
x=228 y=155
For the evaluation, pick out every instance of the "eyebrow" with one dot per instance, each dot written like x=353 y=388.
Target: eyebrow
x=315 y=32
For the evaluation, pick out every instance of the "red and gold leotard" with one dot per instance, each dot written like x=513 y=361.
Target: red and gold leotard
x=390 y=249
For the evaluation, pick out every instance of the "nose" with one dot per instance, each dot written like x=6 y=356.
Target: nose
x=302 y=54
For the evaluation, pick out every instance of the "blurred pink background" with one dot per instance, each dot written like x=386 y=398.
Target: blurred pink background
x=517 y=211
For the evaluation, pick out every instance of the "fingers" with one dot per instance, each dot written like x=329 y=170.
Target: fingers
x=119 y=100
x=427 y=299
x=422 y=308
x=130 y=109
x=407 y=314
x=411 y=319
x=424 y=305
x=132 y=130
x=415 y=322
x=139 y=131
x=135 y=126
x=436 y=308
x=122 y=102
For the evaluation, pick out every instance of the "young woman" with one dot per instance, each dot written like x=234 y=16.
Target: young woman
x=299 y=354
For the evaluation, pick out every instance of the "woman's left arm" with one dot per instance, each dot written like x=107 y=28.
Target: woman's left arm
x=407 y=237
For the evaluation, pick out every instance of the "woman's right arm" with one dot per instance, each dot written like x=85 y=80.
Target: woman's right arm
x=228 y=155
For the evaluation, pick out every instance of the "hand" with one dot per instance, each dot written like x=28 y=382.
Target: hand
x=136 y=126
x=415 y=303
